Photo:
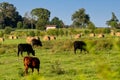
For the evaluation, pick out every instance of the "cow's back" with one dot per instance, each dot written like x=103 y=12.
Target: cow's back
x=36 y=42
x=31 y=62
x=25 y=47
x=35 y=62
x=79 y=43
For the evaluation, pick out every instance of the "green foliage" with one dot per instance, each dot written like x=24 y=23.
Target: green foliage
x=103 y=45
x=8 y=30
x=56 y=21
x=2 y=51
x=42 y=16
x=34 y=77
x=31 y=33
x=91 y=25
x=9 y=15
x=56 y=32
x=56 y=68
x=58 y=61
x=1 y=33
x=80 y=18
x=19 y=25
x=104 y=71
x=102 y=30
x=113 y=22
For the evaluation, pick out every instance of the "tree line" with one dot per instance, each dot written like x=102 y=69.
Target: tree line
x=38 y=18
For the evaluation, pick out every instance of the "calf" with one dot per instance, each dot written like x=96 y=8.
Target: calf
x=31 y=62
x=36 y=42
x=79 y=45
x=25 y=48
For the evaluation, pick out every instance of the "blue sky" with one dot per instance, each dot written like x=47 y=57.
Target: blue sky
x=99 y=10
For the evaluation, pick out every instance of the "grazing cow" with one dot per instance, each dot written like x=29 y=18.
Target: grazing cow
x=79 y=45
x=25 y=48
x=36 y=42
x=31 y=62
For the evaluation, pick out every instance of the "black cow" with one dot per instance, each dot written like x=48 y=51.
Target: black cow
x=25 y=48
x=79 y=45
x=31 y=62
x=36 y=42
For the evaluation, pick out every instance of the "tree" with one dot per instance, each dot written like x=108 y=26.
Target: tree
x=113 y=22
x=8 y=15
x=91 y=25
x=19 y=25
x=42 y=16
x=80 y=18
x=58 y=22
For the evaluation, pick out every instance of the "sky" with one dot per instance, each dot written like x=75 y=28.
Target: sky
x=99 y=11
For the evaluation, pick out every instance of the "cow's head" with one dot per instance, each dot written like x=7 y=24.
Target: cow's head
x=40 y=43
x=33 y=52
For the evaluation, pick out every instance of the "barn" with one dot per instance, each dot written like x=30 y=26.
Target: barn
x=51 y=27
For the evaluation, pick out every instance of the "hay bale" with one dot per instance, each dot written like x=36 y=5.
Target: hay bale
x=117 y=33
x=52 y=38
x=29 y=39
x=15 y=37
x=77 y=36
x=46 y=38
x=112 y=33
x=101 y=35
x=92 y=35
x=11 y=37
x=2 y=39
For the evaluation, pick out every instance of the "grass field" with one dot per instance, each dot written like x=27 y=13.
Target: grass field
x=59 y=63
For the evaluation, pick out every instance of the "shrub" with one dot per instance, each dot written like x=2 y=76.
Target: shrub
x=2 y=50
x=34 y=77
x=21 y=72
x=56 y=68
x=1 y=33
x=8 y=30
x=31 y=33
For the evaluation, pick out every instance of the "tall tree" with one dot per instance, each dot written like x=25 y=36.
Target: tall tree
x=42 y=16
x=91 y=25
x=28 y=21
x=8 y=14
x=80 y=18
x=58 y=22
x=113 y=22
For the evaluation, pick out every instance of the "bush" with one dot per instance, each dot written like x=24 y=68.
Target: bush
x=31 y=33
x=2 y=51
x=56 y=68
x=1 y=34
x=8 y=30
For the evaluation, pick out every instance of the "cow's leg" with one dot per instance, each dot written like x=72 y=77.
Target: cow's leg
x=80 y=50
x=18 y=53
x=32 y=70
x=26 y=70
x=84 y=50
x=38 y=70
x=74 y=50
x=21 y=54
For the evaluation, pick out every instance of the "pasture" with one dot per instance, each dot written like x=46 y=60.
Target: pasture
x=58 y=61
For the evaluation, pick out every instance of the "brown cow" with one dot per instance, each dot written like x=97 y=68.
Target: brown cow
x=31 y=62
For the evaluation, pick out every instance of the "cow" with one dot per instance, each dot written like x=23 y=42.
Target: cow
x=79 y=45
x=31 y=62
x=36 y=42
x=25 y=47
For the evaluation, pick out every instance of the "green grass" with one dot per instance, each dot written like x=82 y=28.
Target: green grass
x=60 y=64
